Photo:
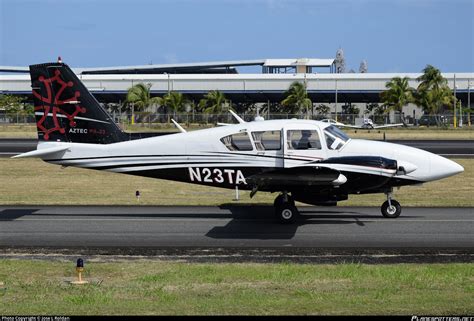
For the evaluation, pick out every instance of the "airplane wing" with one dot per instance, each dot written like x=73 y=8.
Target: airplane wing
x=387 y=125
x=368 y=126
x=346 y=126
x=302 y=175
x=44 y=151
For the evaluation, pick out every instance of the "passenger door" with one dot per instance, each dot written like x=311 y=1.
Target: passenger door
x=302 y=145
x=268 y=144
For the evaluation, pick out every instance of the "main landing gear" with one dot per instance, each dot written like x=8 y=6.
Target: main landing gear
x=285 y=209
x=391 y=208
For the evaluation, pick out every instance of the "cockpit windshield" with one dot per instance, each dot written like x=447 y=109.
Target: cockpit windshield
x=335 y=138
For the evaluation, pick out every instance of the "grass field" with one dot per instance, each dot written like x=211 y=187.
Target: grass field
x=174 y=288
x=34 y=182
x=29 y=131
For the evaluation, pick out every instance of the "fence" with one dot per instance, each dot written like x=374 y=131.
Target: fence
x=150 y=120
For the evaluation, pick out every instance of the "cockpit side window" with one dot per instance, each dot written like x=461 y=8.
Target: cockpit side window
x=303 y=139
x=335 y=138
x=267 y=140
x=237 y=142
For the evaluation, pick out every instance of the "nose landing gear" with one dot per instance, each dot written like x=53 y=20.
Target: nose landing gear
x=285 y=209
x=391 y=208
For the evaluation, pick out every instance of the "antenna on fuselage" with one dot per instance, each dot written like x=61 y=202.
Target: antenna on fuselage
x=240 y=120
x=181 y=129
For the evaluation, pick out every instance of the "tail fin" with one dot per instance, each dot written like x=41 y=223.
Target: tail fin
x=66 y=111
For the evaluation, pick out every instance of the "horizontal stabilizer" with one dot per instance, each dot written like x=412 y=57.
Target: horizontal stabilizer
x=43 y=152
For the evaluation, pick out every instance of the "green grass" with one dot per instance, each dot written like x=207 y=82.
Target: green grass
x=160 y=287
x=34 y=182
x=29 y=131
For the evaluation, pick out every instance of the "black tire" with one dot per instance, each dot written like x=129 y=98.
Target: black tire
x=286 y=213
x=279 y=200
x=391 y=212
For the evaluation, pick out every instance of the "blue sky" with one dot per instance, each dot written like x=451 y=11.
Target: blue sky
x=393 y=36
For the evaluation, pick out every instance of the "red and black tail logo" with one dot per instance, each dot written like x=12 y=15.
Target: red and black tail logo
x=55 y=106
x=66 y=111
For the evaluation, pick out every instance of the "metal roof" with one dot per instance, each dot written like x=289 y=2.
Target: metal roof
x=191 y=67
x=310 y=62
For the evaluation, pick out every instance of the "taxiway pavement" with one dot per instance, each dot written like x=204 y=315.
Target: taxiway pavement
x=236 y=226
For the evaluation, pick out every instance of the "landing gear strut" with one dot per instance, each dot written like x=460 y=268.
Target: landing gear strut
x=391 y=208
x=285 y=209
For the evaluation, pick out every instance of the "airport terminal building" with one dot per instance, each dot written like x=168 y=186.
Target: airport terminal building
x=266 y=82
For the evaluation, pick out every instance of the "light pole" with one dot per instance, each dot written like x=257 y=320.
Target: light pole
x=469 y=102
x=335 y=106
x=168 y=82
x=455 y=102
x=187 y=107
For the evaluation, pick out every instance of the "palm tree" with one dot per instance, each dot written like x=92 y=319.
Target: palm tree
x=397 y=95
x=212 y=102
x=431 y=78
x=296 y=98
x=323 y=109
x=433 y=92
x=432 y=100
x=175 y=101
x=139 y=96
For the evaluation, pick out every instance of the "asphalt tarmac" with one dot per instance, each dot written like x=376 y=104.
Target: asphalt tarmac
x=448 y=148
x=233 y=226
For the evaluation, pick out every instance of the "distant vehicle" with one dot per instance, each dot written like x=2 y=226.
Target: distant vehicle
x=427 y=120
x=367 y=124
x=307 y=161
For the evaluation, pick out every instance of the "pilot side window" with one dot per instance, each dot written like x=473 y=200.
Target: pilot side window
x=335 y=138
x=239 y=141
x=267 y=140
x=303 y=139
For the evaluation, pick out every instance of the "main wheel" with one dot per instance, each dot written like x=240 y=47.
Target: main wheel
x=392 y=211
x=280 y=199
x=286 y=213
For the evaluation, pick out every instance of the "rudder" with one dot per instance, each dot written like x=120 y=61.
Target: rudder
x=66 y=111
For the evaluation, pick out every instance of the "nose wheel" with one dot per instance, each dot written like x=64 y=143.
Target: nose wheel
x=285 y=209
x=391 y=208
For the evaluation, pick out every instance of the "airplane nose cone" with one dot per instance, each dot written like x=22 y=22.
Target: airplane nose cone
x=442 y=167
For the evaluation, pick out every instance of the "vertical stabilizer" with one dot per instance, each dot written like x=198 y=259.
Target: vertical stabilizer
x=66 y=111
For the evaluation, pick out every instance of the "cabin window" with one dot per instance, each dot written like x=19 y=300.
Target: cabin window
x=303 y=139
x=237 y=142
x=267 y=140
x=335 y=138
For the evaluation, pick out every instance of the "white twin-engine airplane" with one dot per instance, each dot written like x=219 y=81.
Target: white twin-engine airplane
x=307 y=161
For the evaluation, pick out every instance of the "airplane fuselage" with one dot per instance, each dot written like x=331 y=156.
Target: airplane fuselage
x=210 y=157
